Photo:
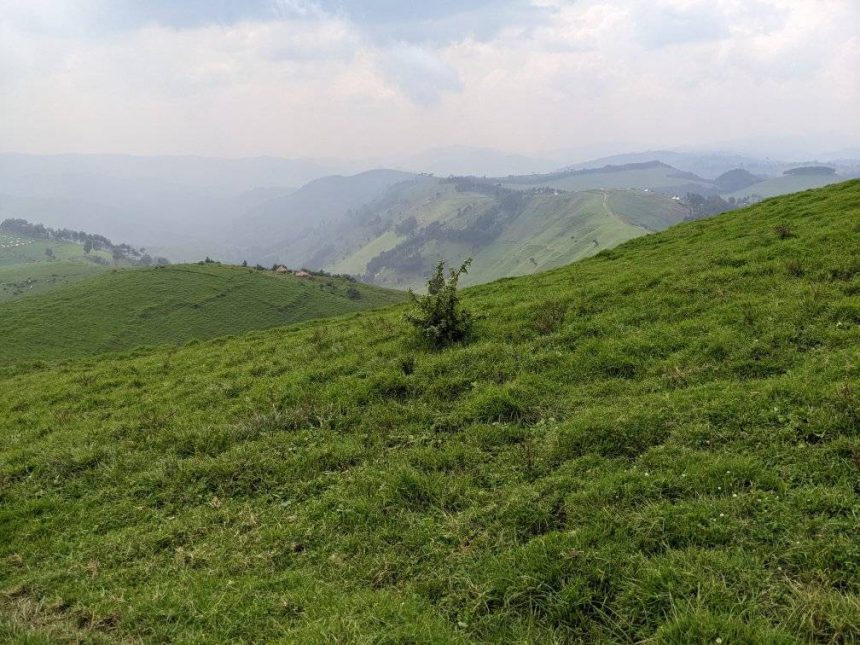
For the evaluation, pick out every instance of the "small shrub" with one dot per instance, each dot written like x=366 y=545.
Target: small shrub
x=783 y=231
x=439 y=317
x=353 y=294
x=549 y=317
x=794 y=268
x=407 y=365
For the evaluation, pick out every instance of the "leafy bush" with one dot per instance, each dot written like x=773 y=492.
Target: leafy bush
x=783 y=231
x=549 y=316
x=439 y=317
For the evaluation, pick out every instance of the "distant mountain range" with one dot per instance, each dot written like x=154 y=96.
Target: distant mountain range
x=186 y=208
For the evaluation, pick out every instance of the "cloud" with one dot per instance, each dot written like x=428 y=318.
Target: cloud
x=660 y=24
x=362 y=78
x=419 y=73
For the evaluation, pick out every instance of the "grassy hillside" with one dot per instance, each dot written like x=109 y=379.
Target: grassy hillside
x=660 y=443
x=25 y=268
x=507 y=233
x=784 y=184
x=357 y=225
x=123 y=309
x=652 y=175
x=295 y=228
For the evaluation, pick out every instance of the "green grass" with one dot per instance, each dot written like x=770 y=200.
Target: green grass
x=786 y=184
x=123 y=309
x=552 y=230
x=26 y=270
x=674 y=460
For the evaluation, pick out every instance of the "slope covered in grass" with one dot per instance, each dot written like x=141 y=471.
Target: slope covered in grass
x=651 y=175
x=123 y=309
x=657 y=443
x=787 y=184
x=506 y=233
x=26 y=268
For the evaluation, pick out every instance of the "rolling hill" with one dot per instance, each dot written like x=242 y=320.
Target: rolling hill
x=297 y=227
x=784 y=184
x=407 y=223
x=506 y=233
x=391 y=228
x=124 y=309
x=650 y=175
x=656 y=444
x=26 y=268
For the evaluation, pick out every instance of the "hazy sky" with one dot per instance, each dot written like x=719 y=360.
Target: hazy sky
x=364 y=78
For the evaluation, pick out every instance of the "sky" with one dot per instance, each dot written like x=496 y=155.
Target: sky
x=363 y=78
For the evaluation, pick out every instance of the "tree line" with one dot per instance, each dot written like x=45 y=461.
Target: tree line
x=90 y=241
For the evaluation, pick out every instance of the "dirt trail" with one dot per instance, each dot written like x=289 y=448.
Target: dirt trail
x=616 y=217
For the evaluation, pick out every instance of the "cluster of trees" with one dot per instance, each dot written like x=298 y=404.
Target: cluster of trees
x=811 y=170
x=276 y=266
x=701 y=206
x=403 y=258
x=90 y=241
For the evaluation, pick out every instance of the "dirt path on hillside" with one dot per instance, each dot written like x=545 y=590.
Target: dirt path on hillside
x=617 y=217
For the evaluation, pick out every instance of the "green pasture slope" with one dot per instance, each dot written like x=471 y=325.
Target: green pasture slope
x=25 y=269
x=786 y=184
x=123 y=309
x=651 y=175
x=657 y=444
x=551 y=230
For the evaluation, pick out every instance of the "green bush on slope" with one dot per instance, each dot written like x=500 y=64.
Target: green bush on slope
x=438 y=315
x=676 y=459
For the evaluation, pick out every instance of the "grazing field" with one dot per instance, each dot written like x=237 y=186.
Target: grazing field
x=506 y=234
x=25 y=268
x=787 y=184
x=651 y=175
x=657 y=444
x=123 y=309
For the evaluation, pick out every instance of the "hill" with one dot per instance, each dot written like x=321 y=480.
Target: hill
x=711 y=165
x=788 y=183
x=295 y=228
x=659 y=443
x=705 y=164
x=735 y=180
x=650 y=175
x=396 y=238
x=179 y=206
x=506 y=233
x=123 y=309
x=29 y=266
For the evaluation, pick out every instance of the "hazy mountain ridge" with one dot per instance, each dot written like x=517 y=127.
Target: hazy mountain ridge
x=186 y=208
